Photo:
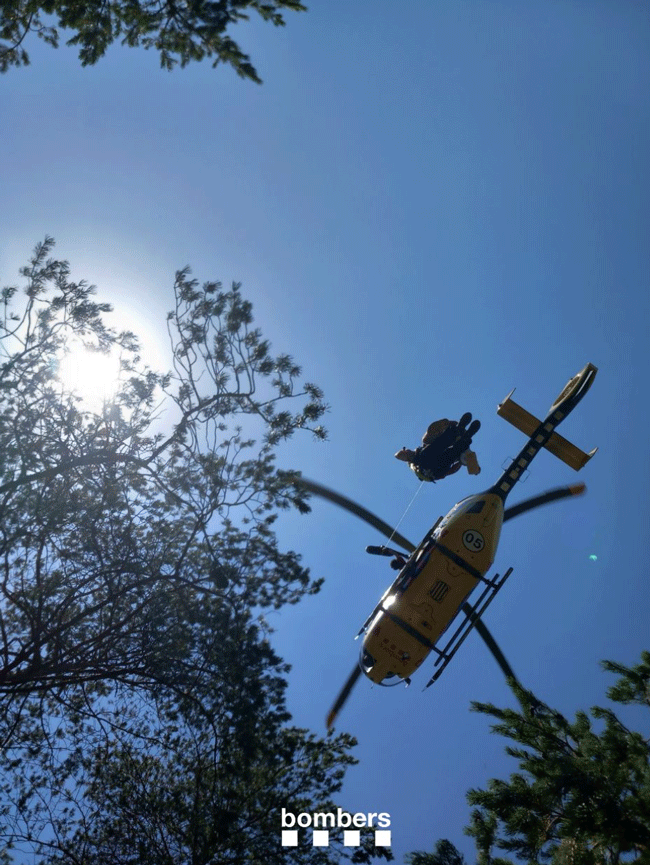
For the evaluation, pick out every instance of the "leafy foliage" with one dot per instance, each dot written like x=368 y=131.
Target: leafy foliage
x=581 y=797
x=181 y=30
x=143 y=711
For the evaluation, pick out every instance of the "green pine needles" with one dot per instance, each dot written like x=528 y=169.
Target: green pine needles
x=582 y=792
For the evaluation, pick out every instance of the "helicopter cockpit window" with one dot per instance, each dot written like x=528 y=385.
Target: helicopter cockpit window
x=477 y=507
x=367 y=661
x=390 y=675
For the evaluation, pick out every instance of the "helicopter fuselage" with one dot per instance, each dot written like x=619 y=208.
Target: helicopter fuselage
x=430 y=589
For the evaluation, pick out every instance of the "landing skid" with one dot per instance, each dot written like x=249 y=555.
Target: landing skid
x=469 y=619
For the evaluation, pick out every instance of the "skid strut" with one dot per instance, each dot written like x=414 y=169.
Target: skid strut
x=467 y=624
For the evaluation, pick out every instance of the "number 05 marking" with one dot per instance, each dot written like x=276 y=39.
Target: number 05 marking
x=473 y=540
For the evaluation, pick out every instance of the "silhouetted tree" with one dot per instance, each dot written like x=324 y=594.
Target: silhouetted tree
x=581 y=797
x=107 y=524
x=181 y=30
x=143 y=713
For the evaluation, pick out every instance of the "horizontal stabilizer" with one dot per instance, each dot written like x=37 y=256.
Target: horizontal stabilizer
x=557 y=445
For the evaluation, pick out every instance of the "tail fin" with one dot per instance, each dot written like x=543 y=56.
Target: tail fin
x=557 y=444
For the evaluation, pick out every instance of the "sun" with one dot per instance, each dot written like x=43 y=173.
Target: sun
x=92 y=376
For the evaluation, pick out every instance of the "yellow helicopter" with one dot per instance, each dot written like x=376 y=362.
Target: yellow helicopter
x=431 y=590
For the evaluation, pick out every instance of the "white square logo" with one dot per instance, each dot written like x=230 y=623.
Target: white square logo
x=289 y=838
x=382 y=838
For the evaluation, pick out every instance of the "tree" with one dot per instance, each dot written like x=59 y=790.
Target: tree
x=581 y=797
x=143 y=713
x=444 y=854
x=181 y=30
x=100 y=513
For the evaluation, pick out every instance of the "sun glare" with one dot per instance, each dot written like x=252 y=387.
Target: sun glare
x=90 y=375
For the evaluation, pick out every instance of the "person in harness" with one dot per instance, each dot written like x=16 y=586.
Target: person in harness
x=445 y=448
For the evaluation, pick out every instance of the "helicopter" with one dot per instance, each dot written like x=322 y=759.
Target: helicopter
x=431 y=590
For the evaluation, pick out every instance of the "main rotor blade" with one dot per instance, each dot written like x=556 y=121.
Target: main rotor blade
x=490 y=642
x=509 y=513
x=342 y=697
x=356 y=509
x=543 y=499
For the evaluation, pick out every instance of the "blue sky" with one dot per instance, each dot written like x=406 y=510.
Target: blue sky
x=427 y=209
